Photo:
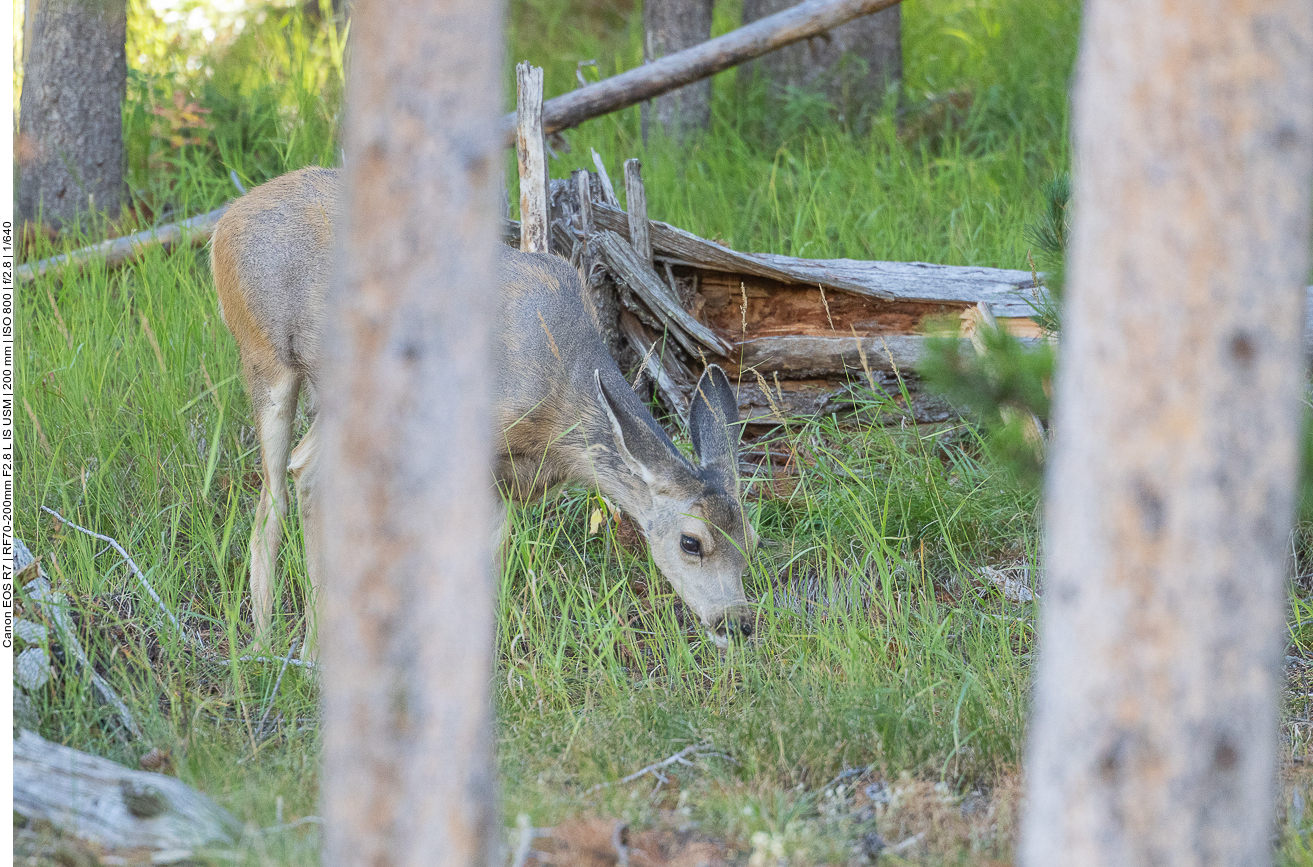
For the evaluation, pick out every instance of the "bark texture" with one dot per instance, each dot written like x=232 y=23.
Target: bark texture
x=75 y=76
x=408 y=501
x=851 y=65
x=1171 y=489
x=670 y=26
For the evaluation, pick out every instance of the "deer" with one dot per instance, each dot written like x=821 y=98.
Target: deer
x=563 y=408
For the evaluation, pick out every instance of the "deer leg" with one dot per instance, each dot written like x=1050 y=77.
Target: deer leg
x=275 y=412
x=305 y=473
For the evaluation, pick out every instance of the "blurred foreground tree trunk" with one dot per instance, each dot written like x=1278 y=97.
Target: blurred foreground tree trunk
x=851 y=66
x=75 y=73
x=408 y=501
x=670 y=26
x=1172 y=485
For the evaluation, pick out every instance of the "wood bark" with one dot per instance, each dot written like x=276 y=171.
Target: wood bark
x=1172 y=483
x=694 y=64
x=407 y=423
x=670 y=26
x=71 y=129
x=851 y=65
x=531 y=156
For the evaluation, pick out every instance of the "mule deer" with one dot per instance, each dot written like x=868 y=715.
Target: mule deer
x=564 y=409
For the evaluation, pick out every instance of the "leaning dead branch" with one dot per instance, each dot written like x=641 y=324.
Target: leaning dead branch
x=134 y=569
x=273 y=693
x=532 y=160
x=55 y=608
x=680 y=758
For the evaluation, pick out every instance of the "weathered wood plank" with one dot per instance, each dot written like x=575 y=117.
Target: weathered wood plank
x=584 y=193
x=640 y=234
x=810 y=356
x=1009 y=292
x=109 y=805
x=532 y=159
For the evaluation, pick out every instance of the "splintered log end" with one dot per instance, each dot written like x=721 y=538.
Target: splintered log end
x=105 y=804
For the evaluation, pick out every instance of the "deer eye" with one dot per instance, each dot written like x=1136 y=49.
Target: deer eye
x=690 y=545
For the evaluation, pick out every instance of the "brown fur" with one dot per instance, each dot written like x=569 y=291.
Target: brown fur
x=564 y=409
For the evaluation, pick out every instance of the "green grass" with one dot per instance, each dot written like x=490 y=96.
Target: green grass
x=879 y=649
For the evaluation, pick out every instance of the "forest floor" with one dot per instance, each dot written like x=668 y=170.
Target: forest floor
x=881 y=713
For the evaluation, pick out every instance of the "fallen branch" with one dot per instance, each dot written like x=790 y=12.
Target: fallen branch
x=273 y=694
x=673 y=71
x=117 y=251
x=303 y=663
x=134 y=569
x=52 y=604
x=679 y=758
x=524 y=846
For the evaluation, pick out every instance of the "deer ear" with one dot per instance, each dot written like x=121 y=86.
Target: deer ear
x=647 y=451
x=713 y=422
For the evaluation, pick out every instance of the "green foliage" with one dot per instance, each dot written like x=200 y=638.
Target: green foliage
x=1004 y=381
x=1005 y=386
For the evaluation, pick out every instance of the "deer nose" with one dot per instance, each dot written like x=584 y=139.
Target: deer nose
x=736 y=625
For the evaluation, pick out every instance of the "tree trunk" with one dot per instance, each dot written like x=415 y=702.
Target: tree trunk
x=71 y=123
x=670 y=26
x=851 y=65
x=1172 y=484
x=408 y=503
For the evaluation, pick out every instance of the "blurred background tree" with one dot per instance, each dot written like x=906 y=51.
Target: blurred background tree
x=70 y=148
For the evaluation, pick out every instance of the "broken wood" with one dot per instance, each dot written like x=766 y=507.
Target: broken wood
x=608 y=191
x=532 y=158
x=636 y=201
x=639 y=277
x=673 y=71
x=584 y=194
x=807 y=356
x=673 y=392
x=119 y=251
x=1011 y=293
x=108 y=805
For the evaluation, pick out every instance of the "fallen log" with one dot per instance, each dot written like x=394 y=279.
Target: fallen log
x=108 y=805
x=118 y=251
x=673 y=71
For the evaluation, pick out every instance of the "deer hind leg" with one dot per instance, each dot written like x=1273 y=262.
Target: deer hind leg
x=275 y=412
x=305 y=473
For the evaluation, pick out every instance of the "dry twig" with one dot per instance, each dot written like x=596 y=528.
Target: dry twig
x=273 y=694
x=681 y=758
x=133 y=568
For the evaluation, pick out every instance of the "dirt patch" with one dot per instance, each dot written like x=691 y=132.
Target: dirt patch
x=592 y=841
